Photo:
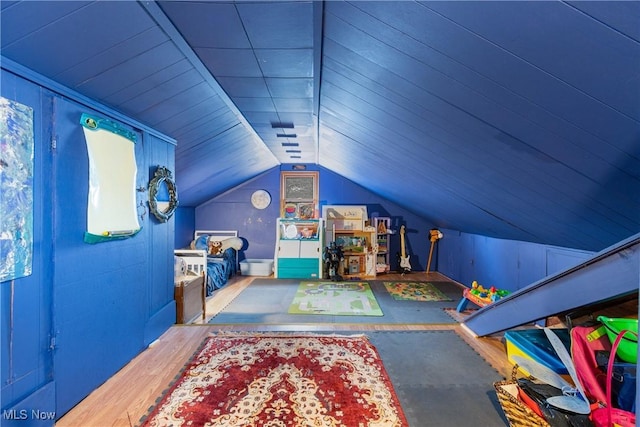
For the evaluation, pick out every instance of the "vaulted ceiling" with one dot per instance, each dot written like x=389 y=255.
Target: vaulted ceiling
x=518 y=120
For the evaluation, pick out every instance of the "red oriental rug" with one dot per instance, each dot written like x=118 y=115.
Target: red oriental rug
x=281 y=380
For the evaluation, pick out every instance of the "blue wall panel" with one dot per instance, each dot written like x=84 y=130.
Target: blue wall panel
x=532 y=262
x=100 y=293
x=87 y=309
x=161 y=235
x=506 y=264
x=42 y=401
x=185 y=223
x=559 y=259
x=25 y=303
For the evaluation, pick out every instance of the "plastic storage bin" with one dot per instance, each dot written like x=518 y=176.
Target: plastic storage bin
x=256 y=267
x=534 y=344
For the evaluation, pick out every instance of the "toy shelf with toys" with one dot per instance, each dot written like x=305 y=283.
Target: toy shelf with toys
x=480 y=296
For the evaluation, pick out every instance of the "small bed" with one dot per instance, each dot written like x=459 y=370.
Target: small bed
x=214 y=253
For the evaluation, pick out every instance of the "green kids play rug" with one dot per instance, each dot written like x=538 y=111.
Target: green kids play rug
x=336 y=298
x=415 y=291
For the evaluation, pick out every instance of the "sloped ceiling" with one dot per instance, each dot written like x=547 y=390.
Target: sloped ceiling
x=517 y=120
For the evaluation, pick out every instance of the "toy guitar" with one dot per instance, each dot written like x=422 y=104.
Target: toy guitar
x=435 y=235
x=405 y=265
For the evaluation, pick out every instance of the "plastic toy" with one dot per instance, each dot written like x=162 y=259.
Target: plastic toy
x=333 y=256
x=480 y=295
x=489 y=295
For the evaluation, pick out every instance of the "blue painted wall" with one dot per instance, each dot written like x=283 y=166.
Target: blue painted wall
x=233 y=211
x=26 y=303
x=506 y=264
x=87 y=309
x=185 y=218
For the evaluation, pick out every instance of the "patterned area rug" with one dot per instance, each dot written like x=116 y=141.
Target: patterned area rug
x=336 y=298
x=415 y=291
x=281 y=380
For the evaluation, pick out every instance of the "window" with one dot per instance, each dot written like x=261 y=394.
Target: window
x=299 y=195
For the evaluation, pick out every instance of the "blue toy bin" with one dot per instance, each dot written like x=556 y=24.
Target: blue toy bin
x=533 y=344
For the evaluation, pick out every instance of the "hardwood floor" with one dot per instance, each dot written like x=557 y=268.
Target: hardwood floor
x=128 y=395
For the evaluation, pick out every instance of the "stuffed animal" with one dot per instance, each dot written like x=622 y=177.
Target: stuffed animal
x=218 y=247
x=215 y=247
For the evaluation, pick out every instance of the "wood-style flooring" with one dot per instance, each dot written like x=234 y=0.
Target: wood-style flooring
x=128 y=395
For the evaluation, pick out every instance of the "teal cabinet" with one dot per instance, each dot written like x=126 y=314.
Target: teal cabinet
x=299 y=249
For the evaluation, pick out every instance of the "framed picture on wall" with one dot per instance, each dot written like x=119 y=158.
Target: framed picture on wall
x=299 y=195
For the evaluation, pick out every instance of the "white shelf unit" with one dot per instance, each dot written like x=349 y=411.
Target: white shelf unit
x=383 y=232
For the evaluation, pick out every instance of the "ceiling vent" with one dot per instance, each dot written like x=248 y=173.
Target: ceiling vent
x=283 y=125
